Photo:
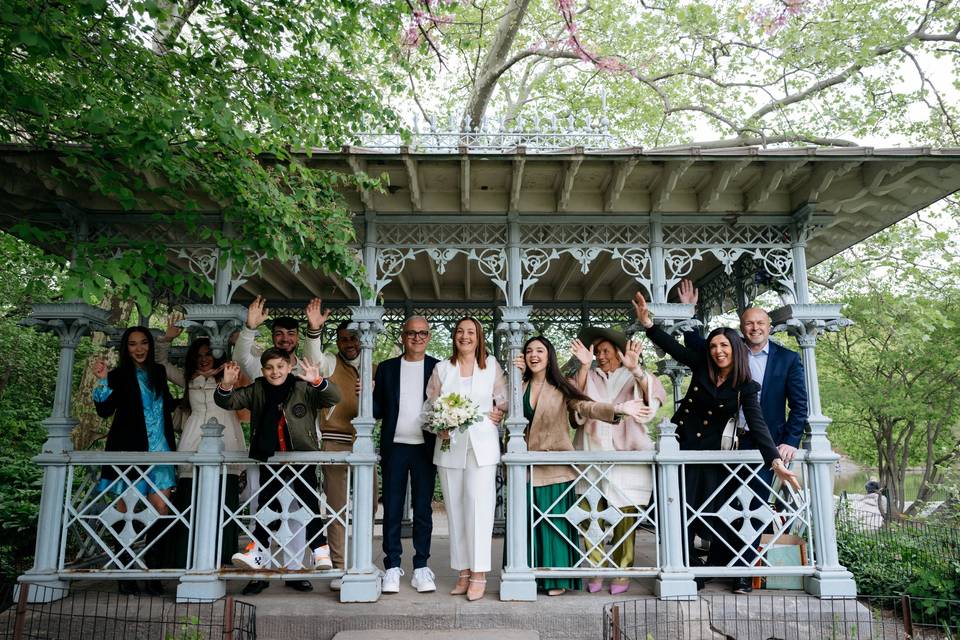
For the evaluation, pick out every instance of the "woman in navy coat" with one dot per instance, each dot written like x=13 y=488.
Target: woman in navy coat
x=720 y=387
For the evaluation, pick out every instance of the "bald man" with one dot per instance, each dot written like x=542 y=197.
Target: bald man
x=779 y=372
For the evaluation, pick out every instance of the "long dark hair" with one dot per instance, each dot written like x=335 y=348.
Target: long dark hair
x=740 y=364
x=155 y=377
x=190 y=366
x=553 y=373
x=481 y=351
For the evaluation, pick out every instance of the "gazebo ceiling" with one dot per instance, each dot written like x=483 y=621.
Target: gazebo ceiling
x=853 y=192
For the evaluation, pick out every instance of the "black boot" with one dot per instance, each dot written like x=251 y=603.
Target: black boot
x=128 y=587
x=742 y=585
x=254 y=587
x=299 y=585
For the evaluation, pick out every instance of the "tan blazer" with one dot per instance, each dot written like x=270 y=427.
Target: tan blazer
x=550 y=430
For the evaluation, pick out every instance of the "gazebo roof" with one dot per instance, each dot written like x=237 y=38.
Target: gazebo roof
x=852 y=191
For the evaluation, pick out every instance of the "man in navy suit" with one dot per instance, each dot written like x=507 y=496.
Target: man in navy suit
x=406 y=451
x=780 y=374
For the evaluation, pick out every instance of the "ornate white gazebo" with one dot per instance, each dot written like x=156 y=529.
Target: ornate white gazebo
x=527 y=228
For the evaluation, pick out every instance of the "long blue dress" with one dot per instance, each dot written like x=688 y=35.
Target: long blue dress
x=162 y=476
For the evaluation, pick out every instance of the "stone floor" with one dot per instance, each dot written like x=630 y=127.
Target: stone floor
x=285 y=614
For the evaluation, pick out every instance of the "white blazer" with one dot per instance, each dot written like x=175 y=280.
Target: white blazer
x=483 y=435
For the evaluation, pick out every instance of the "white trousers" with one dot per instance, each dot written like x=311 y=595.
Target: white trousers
x=470 y=498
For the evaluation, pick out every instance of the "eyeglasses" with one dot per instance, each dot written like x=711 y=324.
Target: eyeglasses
x=420 y=335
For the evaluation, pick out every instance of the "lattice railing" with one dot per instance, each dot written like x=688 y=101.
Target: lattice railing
x=746 y=516
x=115 y=530
x=593 y=519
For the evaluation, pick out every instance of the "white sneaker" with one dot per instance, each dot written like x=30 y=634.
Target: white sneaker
x=254 y=558
x=423 y=580
x=336 y=584
x=391 y=580
x=321 y=557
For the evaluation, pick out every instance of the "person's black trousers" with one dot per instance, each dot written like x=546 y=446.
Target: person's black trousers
x=403 y=462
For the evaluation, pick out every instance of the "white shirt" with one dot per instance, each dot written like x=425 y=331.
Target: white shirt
x=409 y=415
x=758 y=367
x=758 y=364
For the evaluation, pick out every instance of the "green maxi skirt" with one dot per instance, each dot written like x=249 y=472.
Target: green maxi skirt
x=551 y=549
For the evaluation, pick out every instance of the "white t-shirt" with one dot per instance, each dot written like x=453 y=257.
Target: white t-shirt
x=409 y=420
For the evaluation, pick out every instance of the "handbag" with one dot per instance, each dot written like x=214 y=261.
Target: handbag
x=730 y=439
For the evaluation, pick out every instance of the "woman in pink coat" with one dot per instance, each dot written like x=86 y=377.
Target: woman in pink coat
x=618 y=377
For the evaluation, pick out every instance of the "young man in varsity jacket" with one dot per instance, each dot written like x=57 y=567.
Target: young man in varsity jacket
x=336 y=423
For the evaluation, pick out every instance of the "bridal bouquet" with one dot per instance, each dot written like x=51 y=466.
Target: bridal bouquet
x=452 y=412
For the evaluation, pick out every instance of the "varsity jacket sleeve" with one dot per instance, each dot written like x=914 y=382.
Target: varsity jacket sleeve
x=174 y=374
x=243 y=353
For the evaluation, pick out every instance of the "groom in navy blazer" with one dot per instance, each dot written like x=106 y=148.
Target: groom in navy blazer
x=406 y=452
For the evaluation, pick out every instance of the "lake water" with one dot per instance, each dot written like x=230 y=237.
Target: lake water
x=855 y=482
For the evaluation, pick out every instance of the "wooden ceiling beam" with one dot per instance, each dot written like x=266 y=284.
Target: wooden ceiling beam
x=774 y=175
x=669 y=177
x=572 y=268
x=359 y=169
x=570 y=169
x=619 y=173
x=464 y=180
x=719 y=182
x=413 y=177
x=309 y=285
x=516 y=178
x=604 y=272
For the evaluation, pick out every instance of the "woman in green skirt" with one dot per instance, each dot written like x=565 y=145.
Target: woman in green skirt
x=548 y=401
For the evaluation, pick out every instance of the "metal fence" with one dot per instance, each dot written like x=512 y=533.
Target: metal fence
x=786 y=617
x=117 y=532
x=591 y=520
x=63 y=615
x=868 y=537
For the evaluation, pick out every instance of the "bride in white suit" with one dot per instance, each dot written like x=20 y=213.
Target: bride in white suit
x=468 y=470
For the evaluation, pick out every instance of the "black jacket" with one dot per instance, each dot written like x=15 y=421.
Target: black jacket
x=128 y=431
x=706 y=408
x=386 y=400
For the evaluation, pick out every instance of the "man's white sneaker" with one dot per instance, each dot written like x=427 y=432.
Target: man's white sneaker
x=321 y=557
x=336 y=584
x=391 y=580
x=423 y=580
x=254 y=559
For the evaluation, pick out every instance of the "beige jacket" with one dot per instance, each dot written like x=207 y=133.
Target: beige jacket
x=550 y=430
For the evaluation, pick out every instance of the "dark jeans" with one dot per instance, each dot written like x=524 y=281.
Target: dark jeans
x=304 y=488
x=403 y=461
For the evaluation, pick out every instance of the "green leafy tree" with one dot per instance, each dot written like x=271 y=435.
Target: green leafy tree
x=180 y=108
x=704 y=72
x=891 y=381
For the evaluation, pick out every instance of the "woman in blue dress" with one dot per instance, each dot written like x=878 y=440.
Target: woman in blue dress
x=136 y=395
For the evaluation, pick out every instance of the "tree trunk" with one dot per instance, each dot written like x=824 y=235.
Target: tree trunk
x=491 y=68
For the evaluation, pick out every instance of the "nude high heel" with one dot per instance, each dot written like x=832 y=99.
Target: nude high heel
x=462 y=583
x=478 y=587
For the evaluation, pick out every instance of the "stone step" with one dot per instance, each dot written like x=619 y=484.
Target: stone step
x=454 y=634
